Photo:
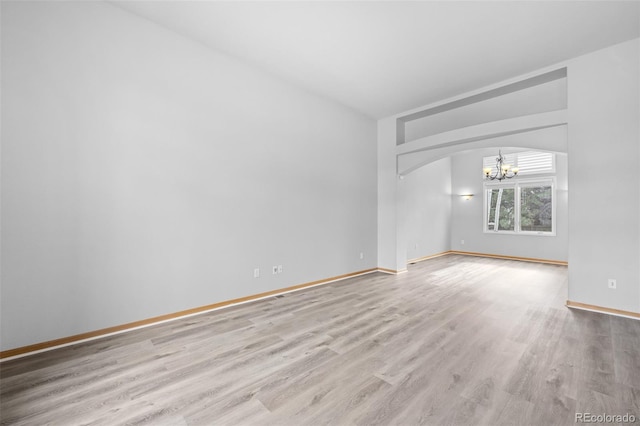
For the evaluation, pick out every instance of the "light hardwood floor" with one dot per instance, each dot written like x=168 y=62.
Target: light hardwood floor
x=456 y=340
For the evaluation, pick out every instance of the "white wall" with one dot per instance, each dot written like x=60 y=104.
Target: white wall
x=604 y=159
x=143 y=174
x=388 y=206
x=467 y=215
x=428 y=209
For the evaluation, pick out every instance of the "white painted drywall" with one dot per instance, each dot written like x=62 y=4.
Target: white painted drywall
x=604 y=159
x=387 y=196
x=143 y=174
x=467 y=215
x=428 y=209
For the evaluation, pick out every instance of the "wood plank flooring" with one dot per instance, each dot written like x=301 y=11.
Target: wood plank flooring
x=457 y=340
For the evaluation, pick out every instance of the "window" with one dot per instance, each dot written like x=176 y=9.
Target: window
x=528 y=162
x=536 y=208
x=501 y=202
x=534 y=162
x=522 y=207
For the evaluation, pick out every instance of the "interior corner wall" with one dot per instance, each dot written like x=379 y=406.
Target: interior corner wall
x=428 y=209
x=387 y=196
x=467 y=215
x=144 y=174
x=604 y=157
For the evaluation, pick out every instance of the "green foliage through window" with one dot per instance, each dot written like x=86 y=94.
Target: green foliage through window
x=536 y=212
x=520 y=207
x=502 y=210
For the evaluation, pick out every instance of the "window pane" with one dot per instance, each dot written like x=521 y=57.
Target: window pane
x=501 y=209
x=492 y=197
x=506 y=221
x=536 y=212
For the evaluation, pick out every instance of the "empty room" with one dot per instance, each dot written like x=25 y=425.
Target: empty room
x=320 y=213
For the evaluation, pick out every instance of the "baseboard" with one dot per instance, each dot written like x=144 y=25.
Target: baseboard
x=431 y=256
x=603 y=310
x=92 y=335
x=391 y=271
x=470 y=253
x=83 y=337
x=501 y=256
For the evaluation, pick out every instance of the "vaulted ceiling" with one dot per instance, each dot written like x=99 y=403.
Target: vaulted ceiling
x=385 y=57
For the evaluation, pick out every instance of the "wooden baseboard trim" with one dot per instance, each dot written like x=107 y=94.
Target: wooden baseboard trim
x=471 y=253
x=65 y=341
x=431 y=256
x=391 y=271
x=78 y=338
x=603 y=310
x=500 y=256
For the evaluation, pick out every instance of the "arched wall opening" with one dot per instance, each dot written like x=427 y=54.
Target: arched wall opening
x=433 y=216
x=434 y=171
x=439 y=154
x=600 y=125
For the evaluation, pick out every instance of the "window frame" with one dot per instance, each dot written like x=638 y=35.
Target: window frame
x=517 y=185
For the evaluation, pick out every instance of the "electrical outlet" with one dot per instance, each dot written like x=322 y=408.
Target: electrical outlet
x=612 y=283
x=361 y=255
x=256 y=273
x=275 y=270
x=462 y=242
x=279 y=269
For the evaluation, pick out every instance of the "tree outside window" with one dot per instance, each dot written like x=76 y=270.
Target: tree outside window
x=536 y=212
x=502 y=209
x=520 y=207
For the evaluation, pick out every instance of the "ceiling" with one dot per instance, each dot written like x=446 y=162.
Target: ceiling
x=385 y=57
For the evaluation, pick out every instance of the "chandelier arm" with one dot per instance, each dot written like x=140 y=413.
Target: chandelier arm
x=500 y=173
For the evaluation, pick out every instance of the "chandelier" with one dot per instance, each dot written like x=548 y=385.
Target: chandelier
x=502 y=171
